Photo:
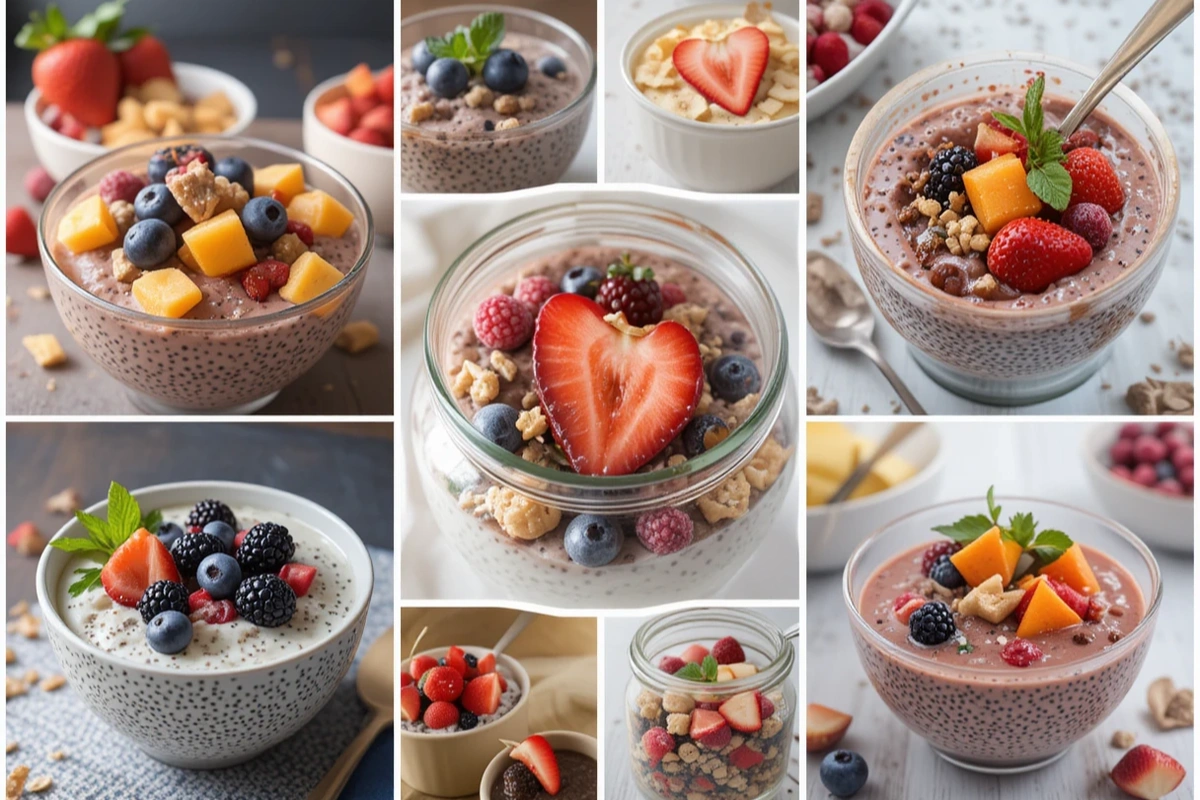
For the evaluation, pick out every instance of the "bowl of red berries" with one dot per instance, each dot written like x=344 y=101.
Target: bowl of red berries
x=1143 y=474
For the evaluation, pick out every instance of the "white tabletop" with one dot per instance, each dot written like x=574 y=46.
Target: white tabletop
x=434 y=230
x=618 y=633
x=1086 y=32
x=1039 y=461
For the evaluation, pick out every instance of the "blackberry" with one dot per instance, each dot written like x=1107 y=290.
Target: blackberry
x=207 y=511
x=631 y=290
x=265 y=600
x=163 y=596
x=520 y=783
x=265 y=548
x=931 y=624
x=944 y=572
x=471 y=660
x=192 y=548
x=945 y=173
x=467 y=720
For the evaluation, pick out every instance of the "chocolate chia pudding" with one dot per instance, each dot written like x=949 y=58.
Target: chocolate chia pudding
x=577 y=774
x=516 y=123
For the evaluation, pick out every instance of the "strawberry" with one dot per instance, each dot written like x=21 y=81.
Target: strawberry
x=337 y=115
x=1023 y=606
x=703 y=784
x=1077 y=601
x=17 y=534
x=745 y=758
x=905 y=609
x=217 y=612
x=765 y=707
x=1148 y=773
x=298 y=576
x=728 y=651
x=824 y=727
x=80 y=76
x=694 y=653
x=380 y=118
x=139 y=562
x=385 y=84
x=72 y=128
x=277 y=272
x=537 y=754
x=441 y=714
x=420 y=665
x=20 y=234
x=147 y=58
x=486 y=664
x=993 y=139
x=657 y=742
x=443 y=683
x=198 y=600
x=39 y=184
x=482 y=695
x=368 y=136
x=717 y=739
x=742 y=713
x=362 y=105
x=410 y=704
x=670 y=664
x=456 y=661
x=406 y=680
x=613 y=400
x=1093 y=180
x=727 y=72
x=302 y=231
x=1029 y=254
x=705 y=723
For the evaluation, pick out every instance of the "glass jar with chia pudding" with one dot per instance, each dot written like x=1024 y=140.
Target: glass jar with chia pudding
x=553 y=508
x=506 y=110
x=711 y=704
x=947 y=261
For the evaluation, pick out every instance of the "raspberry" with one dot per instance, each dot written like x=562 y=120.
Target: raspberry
x=277 y=272
x=503 y=322
x=302 y=230
x=441 y=714
x=1091 y=222
x=717 y=739
x=671 y=664
x=217 y=612
x=906 y=604
x=665 y=531
x=657 y=743
x=728 y=651
x=831 y=53
x=120 y=185
x=935 y=552
x=672 y=295
x=257 y=283
x=534 y=291
x=632 y=291
x=198 y=600
x=765 y=707
x=38 y=184
x=1021 y=653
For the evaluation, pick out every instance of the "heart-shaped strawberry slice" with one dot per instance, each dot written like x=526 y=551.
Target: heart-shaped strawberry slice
x=613 y=400
x=726 y=72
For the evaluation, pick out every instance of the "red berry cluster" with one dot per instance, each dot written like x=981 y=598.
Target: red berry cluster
x=1160 y=457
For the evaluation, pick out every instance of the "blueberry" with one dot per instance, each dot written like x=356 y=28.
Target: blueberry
x=582 y=280
x=1164 y=470
x=169 y=633
x=156 y=202
x=592 y=541
x=265 y=219
x=168 y=532
x=552 y=66
x=236 y=170
x=505 y=71
x=733 y=377
x=703 y=433
x=421 y=57
x=498 y=422
x=447 y=77
x=844 y=773
x=471 y=660
x=219 y=575
x=223 y=531
x=149 y=243
x=944 y=572
x=442 y=661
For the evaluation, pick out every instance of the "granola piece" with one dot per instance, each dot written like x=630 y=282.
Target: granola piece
x=27 y=625
x=288 y=248
x=817 y=405
x=649 y=711
x=619 y=322
x=689 y=315
x=508 y=124
x=232 y=196
x=357 y=336
x=10 y=656
x=679 y=724
x=14 y=687
x=706 y=399
x=503 y=365
x=123 y=214
x=742 y=409
x=771 y=726
x=11 y=747
x=65 y=502
x=1153 y=397
x=532 y=423
x=1170 y=708
x=529 y=400
x=486 y=387
x=815 y=207
x=1122 y=739
x=688 y=752
x=537 y=452
x=518 y=516
x=14 y=787
x=1186 y=355
x=123 y=269
x=767 y=464
x=40 y=784
x=27 y=540
x=478 y=96
x=52 y=683
x=57 y=755
x=195 y=190
x=678 y=703
x=506 y=104
x=45 y=349
x=730 y=500
x=420 y=112
x=20 y=608
x=528 y=102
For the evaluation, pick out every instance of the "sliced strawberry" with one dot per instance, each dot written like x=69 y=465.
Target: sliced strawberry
x=745 y=758
x=705 y=723
x=993 y=142
x=410 y=704
x=1022 y=150
x=218 y=612
x=726 y=72
x=20 y=532
x=537 y=754
x=139 y=562
x=337 y=115
x=614 y=401
x=298 y=576
x=824 y=727
x=420 y=665
x=1077 y=601
x=482 y=695
x=198 y=600
x=717 y=739
x=456 y=661
x=765 y=707
x=487 y=664
x=742 y=713
x=1148 y=773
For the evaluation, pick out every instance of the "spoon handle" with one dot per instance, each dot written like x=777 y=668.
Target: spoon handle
x=334 y=782
x=1161 y=19
x=914 y=407
x=514 y=630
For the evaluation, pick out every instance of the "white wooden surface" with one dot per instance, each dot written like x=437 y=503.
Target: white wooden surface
x=625 y=160
x=1039 y=461
x=1086 y=31
x=618 y=779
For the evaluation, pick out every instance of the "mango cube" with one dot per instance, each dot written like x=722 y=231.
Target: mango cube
x=166 y=293
x=360 y=82
x=988 y=555
x=185 y=255
x=87 y=226
x=742 y=669
x=1073 y=569
x=311 y=276
x=1046 y=612
x=219 y=246
x=834 y=452
x=319 y=211
x=287 y=179
x=999 y=194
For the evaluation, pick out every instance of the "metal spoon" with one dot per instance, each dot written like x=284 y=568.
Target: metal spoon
x=519 y=624
x=895 y=436
x=838 y=312
x=1161 y=19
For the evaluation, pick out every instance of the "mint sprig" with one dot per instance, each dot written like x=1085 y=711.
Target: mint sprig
x=1045 y=174
x=105 y=535
x=103 y=24
x=704 y=672
x=471 y=45
x=1045 y=546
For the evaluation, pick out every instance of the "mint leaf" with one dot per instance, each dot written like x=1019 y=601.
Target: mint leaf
x=1050 y=545
x=967 y=529
x=486 y=33
x=97 y=527
x=90 y=578
x=709 y=667
x=1052 y=184
x=993 y=509
x=1021 y=528
x=690 y=672
x=70 y=544
x=124 y=515
x=966 y=648
x=105 y=536
x=1045 y=174
x=1010 y=122
x=1034 y=118
x=152 y=520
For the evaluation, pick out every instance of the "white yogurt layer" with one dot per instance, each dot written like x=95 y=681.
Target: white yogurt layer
x=120 y=631
x=508 y=701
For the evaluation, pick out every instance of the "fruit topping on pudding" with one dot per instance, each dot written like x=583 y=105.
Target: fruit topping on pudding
x=362 y=110
x=835 y=451
x=455 y=692
x=1148 y=773
x=1160 y=457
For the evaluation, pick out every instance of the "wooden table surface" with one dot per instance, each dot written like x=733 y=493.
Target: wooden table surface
x=337 y=384
x=1042 y=462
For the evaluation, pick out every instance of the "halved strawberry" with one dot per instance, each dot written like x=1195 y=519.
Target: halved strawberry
x=298 y=576
x=482 y=695
x=993 y=142
x=1148 y=773
x=824 y=727
x=410 y=703
x=218 y=612
x=745 y=758
x=537 y=754
x=420 y=665
x=1078 y=602
x=705 y=723
x=136 y=564
x=487 y=664
x=1022 y=150
x=742 y=713
x=455 y=660
x=726 y=72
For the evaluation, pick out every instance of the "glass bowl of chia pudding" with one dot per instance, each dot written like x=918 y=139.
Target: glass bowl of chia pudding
x=510 y=511
x=973 y=332
x=229 y=352
x=973 y=699
x=467 y=145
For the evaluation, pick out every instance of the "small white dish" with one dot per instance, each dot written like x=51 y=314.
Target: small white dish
x=559 y=740
x=62 y=155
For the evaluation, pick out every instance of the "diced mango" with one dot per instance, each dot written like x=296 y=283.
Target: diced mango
x=219 y=245
x=87 y=226
x=185 y=255
x=1073 y=569
x=166 y=293
x=1025 y=580
x=743 y=669
x=988 y=555
x=820 y=489
x=834 y=452
x=1046 y=612
x=319 y=211
x=360 y=82
x=830 y=450
x=311 y=276
x=999 y=193
x=287 y=179
x=888 y=471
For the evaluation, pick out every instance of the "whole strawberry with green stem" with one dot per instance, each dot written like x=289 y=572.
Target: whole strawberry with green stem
x=631 y=290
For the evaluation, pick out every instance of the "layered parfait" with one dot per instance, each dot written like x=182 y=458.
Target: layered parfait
x=540 y=771
x=458 y=691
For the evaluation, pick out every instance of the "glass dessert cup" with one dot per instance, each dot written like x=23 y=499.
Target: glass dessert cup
x=764 y=644
x=453 y=458
x=1002 y=356
x=434 y=162
x=1005 y=719
x=233 y=366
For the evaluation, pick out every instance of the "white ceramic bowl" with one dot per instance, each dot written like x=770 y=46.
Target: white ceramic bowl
x=62 y=155
x=369 y=167
x=1158 y=518
x=559 y=740
x=834 y=531
x=702 y=156
x=450 y=764
x=214 y=717
x=834 y=91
